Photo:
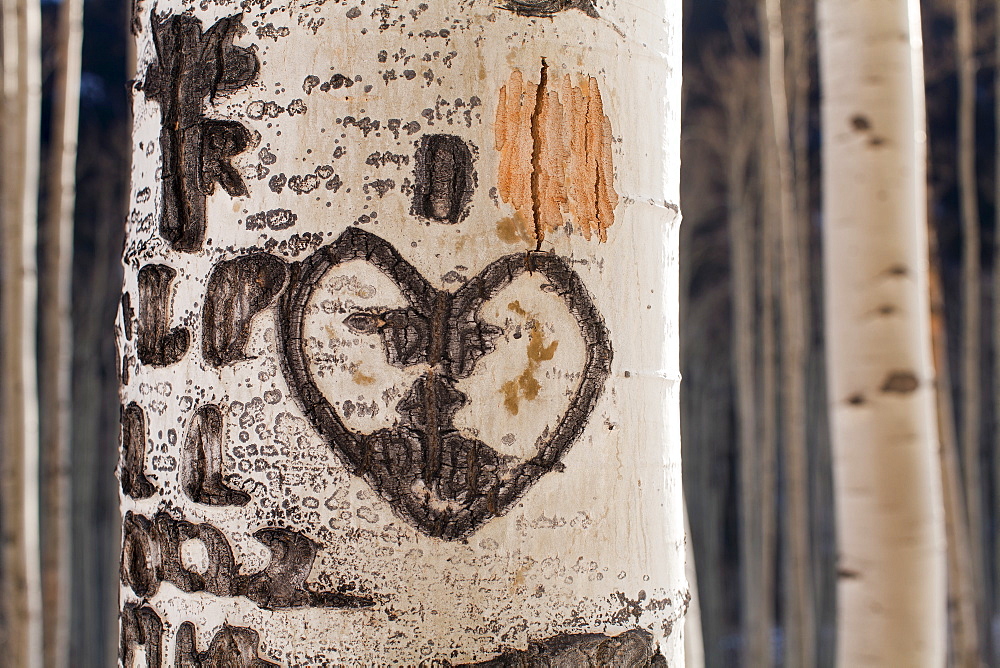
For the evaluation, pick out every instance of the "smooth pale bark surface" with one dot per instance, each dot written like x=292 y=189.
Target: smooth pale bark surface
x=886 y=469
x=20 y=107
x=562 y=121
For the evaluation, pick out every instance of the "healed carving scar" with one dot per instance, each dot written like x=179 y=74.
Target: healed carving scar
x=440 y=481
x=158 y=344
x=151 y=554
x=191 y=67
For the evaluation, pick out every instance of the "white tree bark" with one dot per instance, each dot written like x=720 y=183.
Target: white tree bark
x=20 y=107
x=399 y=335
x=888 y=485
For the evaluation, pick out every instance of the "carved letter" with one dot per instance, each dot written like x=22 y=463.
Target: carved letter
x=548 y=8
x=152 y=554
x=633 y=648
x=444 y=179
x=157 y=344
x=232 y=647
x=140 y=556
x=141 y=626
x=133 y=476
x=169 y=534
x=201 y=463
x=191 y=67
x=237 y=290
x=282 y=583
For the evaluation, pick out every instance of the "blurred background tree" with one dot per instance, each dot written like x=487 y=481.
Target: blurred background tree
x=741 y=472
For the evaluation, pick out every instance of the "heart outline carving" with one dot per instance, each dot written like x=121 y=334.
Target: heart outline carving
x=442 y=483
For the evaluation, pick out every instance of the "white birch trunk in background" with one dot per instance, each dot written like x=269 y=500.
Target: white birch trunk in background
x=972 y=295
x=20 y=107
x=799 y=609
x=962 y=627
x=399 y=335
x=768 y=284
x=55 y=342
x=891 y=586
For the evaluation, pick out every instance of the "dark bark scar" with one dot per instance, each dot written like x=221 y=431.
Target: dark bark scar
x=151 y=554
x=441 y=482
x=193 y=67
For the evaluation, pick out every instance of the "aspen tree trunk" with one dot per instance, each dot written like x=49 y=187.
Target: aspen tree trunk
x=769 y=239
x=963 y=629
x=694 y=639
x=20 y=108
x=742 y=119
x=971 y=296
x=800 y=55
x=995 y=613
x=891 y=569
x=55 y=350
x=399 y=336
x=799 y=612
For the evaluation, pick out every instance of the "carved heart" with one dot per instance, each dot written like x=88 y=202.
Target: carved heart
x=445 y=484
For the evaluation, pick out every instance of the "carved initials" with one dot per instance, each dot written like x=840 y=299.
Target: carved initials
x=151 y=554
x=196 y=150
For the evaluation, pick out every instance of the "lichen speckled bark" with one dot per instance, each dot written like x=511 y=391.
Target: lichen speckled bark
x=403 y=389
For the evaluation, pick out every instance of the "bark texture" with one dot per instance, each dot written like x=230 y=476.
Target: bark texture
x=886 y=467
x=399 y=318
